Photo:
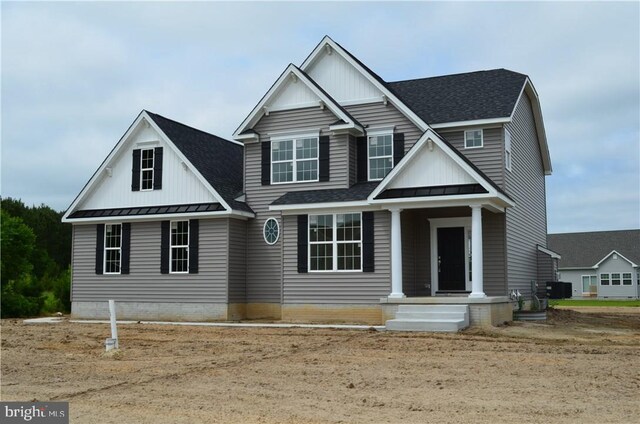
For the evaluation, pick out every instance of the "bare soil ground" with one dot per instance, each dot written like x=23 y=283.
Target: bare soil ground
x=575 y=368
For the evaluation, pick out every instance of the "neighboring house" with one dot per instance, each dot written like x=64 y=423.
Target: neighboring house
x=349 y=197
x=600 y=263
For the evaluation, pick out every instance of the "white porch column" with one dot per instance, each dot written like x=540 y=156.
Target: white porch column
x=477 y=288
x=396 y=254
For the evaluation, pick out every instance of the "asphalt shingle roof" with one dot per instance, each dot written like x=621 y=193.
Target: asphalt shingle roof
x=356 y=192
x=218 y=160
x=580 y=250
x=461 y=97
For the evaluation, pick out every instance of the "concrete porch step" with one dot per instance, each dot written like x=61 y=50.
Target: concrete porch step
x=437 y=318
x=435 y=325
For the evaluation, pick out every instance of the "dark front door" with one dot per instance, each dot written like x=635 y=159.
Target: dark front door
x=451 y=259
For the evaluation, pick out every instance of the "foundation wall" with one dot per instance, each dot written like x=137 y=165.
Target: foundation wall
x=333 y=313
x=151 y=311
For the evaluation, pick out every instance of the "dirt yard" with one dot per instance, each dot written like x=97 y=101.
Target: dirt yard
x=575 y=368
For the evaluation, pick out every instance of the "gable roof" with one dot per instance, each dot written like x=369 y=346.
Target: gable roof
x=462 y=97
x=585 y=250
x=219 y=161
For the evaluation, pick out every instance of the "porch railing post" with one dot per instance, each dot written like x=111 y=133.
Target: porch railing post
x=477 y=285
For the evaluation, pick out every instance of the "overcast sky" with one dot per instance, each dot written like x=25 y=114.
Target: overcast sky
x=75 y=75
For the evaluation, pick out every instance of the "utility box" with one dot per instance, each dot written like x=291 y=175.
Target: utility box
x=558 y=290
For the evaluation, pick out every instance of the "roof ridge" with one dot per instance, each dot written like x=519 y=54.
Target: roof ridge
x=457 y=74
x=594 y=232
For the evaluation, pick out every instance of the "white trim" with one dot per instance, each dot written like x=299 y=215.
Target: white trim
x=608 y=274
x=171 y=246
x=582 y=282
x=294 y=160
x=481 y=138
x=423 y=126
x=508 y=153
x=362 y=101
x=334 y=243
x=611 y=253
x=326 y=205
x=264 y=227
x=141 y=119
x=153 y=164
x=105 y=248
x=259 y=110
x=381 y=132
x=473 y=122
x=549 y=252
x=434 y=224
x=294 y=133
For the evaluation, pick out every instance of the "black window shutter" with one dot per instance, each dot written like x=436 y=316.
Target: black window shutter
x=266 y=163
x=164 y=247
x=398 y=147
x=361 y=159
x=126 y=248
x=303 y=237
x=323 y=158
x=135 y=171
x=194 y=238
x=157 y=168
x=367 y=242
x=99 y=248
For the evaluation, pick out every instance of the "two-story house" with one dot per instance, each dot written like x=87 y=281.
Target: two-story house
x=343 y=198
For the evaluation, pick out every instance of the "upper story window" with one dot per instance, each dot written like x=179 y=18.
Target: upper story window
x=112 y=248
x=146 y=169
x=473 y=139
x=335 y=242
x=294 y=159
x=380 y=151
x=179 y=248
x=507 y=150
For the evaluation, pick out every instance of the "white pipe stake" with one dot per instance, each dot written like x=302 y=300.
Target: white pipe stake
x=112 y=316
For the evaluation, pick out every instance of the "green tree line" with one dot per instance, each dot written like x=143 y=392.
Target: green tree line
x=36 y=257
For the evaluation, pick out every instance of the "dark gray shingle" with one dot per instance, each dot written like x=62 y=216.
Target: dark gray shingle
x=583 y=250
x=356 y=192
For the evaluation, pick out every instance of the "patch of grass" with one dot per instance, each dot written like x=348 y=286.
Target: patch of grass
x=593 y=302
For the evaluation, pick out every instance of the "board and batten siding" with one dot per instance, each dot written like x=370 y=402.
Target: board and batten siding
x=379 y=115
x=145 y=283
x=525 y=184
x=264 y=262
x=338 y=287
x=237 y=260
x=489 y=158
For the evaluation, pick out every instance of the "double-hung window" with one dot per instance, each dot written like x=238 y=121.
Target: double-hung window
x=604 y=279
x=112 y=248
x=335 y=242
x=146 y=169
x=473 y=139
x=626 y=279
x=380 y=154
x=179 y=249
x=615 y=278
x=294 y=159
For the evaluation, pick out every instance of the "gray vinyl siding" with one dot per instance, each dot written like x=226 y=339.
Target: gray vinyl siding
x=264 y=262
x=338 y=287
x=237 y=260
x=617 y=265
x=525 y=184
x=494 y=252
x=145 y=283
x=377 y=114
x=489 y=158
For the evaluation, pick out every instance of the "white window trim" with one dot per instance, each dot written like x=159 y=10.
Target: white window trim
x=582 y=282
x=294 y=160
x=618 y=279
x=376 y=133
x=105 y=248
x=264 y=227
x=630 y=278
x=608 y=279
x=334 y=243
x=153 y=162
x=481 y=138
x=508 y=154
x=171 y=246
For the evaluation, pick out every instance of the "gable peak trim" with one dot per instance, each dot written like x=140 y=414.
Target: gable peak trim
x=609 y=255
